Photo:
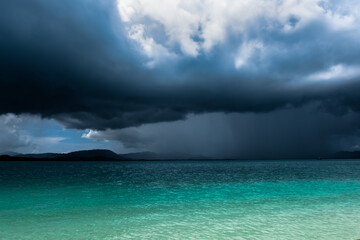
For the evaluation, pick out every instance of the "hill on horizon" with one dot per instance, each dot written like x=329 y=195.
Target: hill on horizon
x=95 y=154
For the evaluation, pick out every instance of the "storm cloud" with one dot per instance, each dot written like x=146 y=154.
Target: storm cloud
x=105 y=65
x=302 y=132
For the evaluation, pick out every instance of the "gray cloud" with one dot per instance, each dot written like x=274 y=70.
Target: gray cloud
x=11 y=136
x=301 y=132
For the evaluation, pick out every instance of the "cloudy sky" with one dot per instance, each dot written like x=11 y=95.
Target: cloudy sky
x=230 y=78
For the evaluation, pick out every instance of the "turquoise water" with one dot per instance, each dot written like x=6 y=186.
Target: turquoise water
x=180 y=200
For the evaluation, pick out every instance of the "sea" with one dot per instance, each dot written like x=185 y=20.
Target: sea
x=217 y=199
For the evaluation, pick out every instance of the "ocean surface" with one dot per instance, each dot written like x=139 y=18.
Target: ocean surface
x=294 y=199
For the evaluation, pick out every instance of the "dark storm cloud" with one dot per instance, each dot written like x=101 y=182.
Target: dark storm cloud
x=72 y=61
x=303 y=132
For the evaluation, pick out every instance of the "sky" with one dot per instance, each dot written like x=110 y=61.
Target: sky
x=227 y=79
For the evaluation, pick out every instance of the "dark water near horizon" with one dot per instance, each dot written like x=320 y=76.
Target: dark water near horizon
x=287 y=199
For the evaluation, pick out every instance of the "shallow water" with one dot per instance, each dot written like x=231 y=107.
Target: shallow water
x=292 y=199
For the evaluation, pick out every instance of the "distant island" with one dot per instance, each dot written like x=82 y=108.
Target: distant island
x=96 y=155
x=107 y=155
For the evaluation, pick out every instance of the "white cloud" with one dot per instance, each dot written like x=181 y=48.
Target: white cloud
x=246 y=51
x=154 y=51
x=93 y=135
x=341 y=22
x=198 y=25
x=339 y=71
x=126 y=10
